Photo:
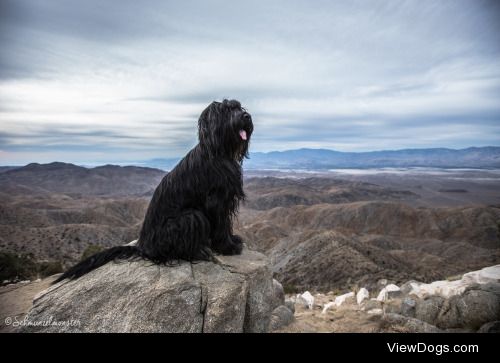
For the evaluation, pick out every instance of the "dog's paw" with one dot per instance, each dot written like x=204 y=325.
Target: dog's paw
x=204 y=254
x=232 y=246
x=238 y=243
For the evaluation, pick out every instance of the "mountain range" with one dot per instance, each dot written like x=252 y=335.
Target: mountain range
x=474 y=157
x=323 y=159
x=321 y=233
x=320 y=159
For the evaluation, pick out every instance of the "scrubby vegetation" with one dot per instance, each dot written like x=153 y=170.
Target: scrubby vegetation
x=23 y=267
x=90 y=250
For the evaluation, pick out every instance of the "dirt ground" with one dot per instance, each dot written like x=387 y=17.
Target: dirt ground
x=344 y=319
x=16 y=300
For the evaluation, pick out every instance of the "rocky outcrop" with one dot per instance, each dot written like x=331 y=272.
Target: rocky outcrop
x=231 y=294
x=474 y=306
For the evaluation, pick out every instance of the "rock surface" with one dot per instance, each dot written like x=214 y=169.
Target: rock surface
x=231 y=294
x=281 y=317
x=278 y=295
x=491 y=327
x=405 y=324
x=448 y=289
x=470 y=310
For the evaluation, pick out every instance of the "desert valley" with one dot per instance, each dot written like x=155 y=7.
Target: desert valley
x=327 y=232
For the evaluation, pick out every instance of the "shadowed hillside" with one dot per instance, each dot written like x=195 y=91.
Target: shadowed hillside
x=322 y=233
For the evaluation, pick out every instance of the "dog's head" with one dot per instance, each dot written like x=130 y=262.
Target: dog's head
x=225 y=128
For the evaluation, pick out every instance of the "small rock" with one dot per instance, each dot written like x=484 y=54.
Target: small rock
x=393 y=291
x=348 y=298
x=409 y=325
x=371 y=304
x=427 y=310
x=375 y=311
x=410 y=287
x=382 y=295
x=290 y=304
x=306 y=299
x=362 y=295
x=280 y=317
x=131 y=243
x=491 y=327
x=278 y=298
x=408 y=307
x=327 y=306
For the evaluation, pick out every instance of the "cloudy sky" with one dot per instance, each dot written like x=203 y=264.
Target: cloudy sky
x=117 y=81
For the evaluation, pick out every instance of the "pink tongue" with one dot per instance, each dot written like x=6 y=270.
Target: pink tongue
x=243 y=134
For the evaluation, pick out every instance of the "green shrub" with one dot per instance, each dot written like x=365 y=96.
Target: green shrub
x=290 y=289
x=17 y=267
x=23 y=267
x=91 y=250
x=49 y=268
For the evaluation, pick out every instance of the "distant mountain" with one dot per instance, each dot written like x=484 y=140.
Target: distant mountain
x=60 y=177
x=473 y=157
x=7 y=168
x=163 y=164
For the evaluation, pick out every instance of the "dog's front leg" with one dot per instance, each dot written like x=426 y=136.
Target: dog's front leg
x=222 y=239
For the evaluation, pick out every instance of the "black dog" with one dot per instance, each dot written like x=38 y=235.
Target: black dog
x=191 y=212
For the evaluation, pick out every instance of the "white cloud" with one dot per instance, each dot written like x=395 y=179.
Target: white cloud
x=129 y=80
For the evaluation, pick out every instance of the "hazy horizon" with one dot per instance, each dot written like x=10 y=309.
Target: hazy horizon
x=146 y=162
x=115 y=81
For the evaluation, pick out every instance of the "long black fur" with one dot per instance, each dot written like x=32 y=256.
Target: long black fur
x=192 y=209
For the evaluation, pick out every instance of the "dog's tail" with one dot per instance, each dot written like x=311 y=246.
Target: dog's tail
x=98 y=260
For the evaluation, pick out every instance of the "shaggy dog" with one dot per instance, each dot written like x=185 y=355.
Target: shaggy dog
x=191 y=211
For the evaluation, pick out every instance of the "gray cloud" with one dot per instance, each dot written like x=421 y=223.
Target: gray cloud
x=130 y=78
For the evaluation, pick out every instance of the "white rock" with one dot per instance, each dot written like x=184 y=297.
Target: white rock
x=362 y=295
x=25 y=282
x=388 y=292
x=375 y=311
x=415 y=288
x=132 y=243
x=392 y=287
x=346 y=298
x=393 y=291
x=306 y=299
x=447 y=289
x=442 y=288
x=487 y=274
x=382 y=295
x=327 y=306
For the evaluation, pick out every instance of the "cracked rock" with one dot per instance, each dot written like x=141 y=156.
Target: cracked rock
x=231 y=294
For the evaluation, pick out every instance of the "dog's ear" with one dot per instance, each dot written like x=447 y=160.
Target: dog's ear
x=204 y=122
